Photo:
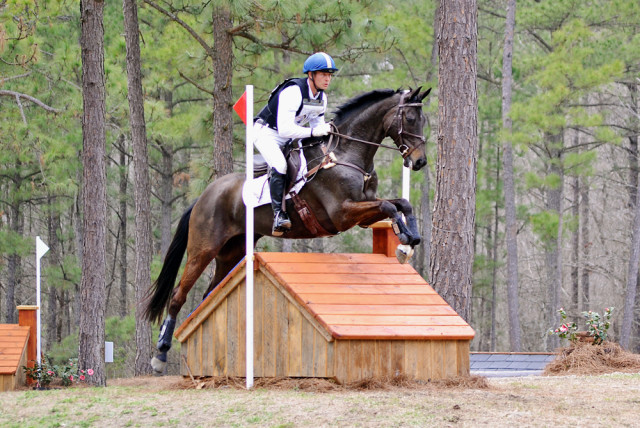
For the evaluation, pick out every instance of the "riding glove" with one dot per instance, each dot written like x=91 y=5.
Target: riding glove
x=321 y=130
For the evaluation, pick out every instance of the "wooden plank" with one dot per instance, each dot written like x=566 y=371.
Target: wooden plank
x=331 y=358
x=258 y=327
x=450 y=358
x=324 y=309
x=282 y=330
x=341 y=361
x=343 y=268
x=397 y=356
x=220 y=315
x=411 y=358
x=191 y=354
x=269 y=329
x=241 y=363
x=199 y=365
x=372 y=299
x=402 y=332
x=368 y=359
x=369 y=288
x=391 y=320
x=326 y=277
x=382 y=364
x=307 y=348
x=437 y=359
x=295 y=341
x=184 y=352
x=319 y=355
x=208 y=338
x=464 y=365
x=333 y=258
x=356 y=361
x=232 y=333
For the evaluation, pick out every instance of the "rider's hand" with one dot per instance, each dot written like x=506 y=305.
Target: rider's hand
x=321 y=130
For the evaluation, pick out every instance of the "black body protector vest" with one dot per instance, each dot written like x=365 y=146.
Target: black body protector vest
x=309 y=108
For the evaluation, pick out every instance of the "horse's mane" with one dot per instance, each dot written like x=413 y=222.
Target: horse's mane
x=359 y=103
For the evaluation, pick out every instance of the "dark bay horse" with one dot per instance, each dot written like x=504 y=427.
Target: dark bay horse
x=341 y=197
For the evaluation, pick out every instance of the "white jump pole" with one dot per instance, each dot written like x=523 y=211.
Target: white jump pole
x=406 y=183
x=249 y=240
x=41 y=250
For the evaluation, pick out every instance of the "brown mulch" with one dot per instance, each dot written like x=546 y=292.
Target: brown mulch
x=587 y=359
x=329 y=385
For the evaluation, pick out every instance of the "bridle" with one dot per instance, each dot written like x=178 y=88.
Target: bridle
x=404 y=149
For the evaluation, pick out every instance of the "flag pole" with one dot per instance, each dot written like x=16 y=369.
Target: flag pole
x=249 y=236
x=41 y=249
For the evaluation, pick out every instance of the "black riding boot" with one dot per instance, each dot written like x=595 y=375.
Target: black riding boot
x=281 y=222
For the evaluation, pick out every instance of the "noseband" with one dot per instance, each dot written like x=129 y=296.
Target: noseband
x=405 y=149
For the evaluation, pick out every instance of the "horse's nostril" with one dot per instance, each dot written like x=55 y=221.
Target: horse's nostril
x=419 y=164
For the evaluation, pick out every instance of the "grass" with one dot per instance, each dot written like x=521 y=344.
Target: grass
x=609 y=400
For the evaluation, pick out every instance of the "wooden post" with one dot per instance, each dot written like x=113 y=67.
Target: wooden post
x=27 y=317
x=384 y=240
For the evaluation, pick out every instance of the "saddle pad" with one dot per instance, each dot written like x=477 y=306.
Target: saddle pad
x=257 y=192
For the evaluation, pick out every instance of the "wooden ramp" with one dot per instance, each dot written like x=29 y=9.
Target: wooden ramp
x=342 y=316
x=13 y=355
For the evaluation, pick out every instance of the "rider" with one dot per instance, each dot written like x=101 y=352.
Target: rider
x=292 y=104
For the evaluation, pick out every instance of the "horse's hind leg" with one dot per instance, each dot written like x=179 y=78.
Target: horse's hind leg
x=192 y=271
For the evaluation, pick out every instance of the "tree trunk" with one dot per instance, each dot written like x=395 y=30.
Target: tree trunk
x=222 y=96
x=586 y=243
x=142 y=185
x=124 y=173
x=511 y=232
x=575 y=252
x=53 y=308
x=632 y=276
x=92 y=313
x=16 y=225
x=553 y=251
x=166 y=197
x=454 y=214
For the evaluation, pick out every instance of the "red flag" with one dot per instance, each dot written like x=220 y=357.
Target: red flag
x=241 y=107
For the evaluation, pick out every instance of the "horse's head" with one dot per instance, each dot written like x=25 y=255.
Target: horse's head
x=404 y=124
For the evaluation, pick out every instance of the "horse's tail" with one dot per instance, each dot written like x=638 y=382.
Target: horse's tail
x=159 y=295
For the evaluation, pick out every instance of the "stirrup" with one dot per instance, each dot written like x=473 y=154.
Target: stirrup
x=281 y=223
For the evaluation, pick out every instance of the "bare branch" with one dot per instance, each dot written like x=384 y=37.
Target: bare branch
x=34 y=100
x=196 y=84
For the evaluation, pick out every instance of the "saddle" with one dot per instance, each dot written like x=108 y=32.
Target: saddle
x=294 y=164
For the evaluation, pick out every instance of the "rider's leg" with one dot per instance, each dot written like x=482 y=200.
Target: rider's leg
x=270 y=147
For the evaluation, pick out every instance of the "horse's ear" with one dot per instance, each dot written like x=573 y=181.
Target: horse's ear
x=414 y=93
x=423 y=95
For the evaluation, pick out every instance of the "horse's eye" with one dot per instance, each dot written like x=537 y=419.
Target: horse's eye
x=411 y=118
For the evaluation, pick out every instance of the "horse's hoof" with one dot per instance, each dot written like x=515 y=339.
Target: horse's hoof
x=158 y=365
x=415 y=241
x=404 y=253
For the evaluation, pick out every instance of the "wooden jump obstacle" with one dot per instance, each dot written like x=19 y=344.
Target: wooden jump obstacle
x=17 y=348
x=343 y=316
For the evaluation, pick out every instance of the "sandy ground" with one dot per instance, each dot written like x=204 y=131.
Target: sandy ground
x=609 y=400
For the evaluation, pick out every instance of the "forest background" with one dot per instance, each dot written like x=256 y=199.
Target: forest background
x=575 y=114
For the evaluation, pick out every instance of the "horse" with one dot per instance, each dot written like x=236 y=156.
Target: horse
x=340 y=192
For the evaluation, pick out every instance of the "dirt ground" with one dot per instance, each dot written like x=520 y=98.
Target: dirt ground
x=585 y=385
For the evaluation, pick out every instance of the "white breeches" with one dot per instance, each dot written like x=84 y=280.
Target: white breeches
x=270 y=145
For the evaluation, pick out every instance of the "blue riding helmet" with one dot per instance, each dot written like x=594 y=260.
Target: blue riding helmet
x=319 y=61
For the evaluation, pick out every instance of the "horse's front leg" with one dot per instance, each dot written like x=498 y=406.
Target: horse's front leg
x=367 y=212
x=405 y=208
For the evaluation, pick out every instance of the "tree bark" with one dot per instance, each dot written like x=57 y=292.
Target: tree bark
x=142 y=185
x=454 y=213
x=124 y=173
x=632 y=276
x=92 y=297
x=222 y=96
x=16 y=225
x=511 y=232
x=586 y=243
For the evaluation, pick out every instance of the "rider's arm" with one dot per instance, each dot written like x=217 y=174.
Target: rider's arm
x=288 y=103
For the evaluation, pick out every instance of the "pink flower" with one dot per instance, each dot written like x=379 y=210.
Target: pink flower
x=71 y=378
x=90 y=372
x=49 y=372
x=563 y=328
x=82 y=371
x=81 y=377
